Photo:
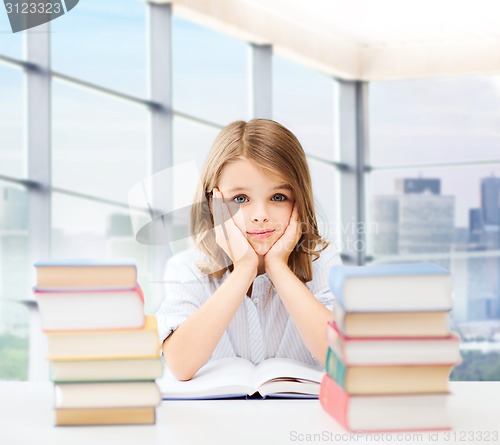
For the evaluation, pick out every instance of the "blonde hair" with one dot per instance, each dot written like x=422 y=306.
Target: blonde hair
x=275 y=149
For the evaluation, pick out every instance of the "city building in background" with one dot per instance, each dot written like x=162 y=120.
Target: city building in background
x=416 y=219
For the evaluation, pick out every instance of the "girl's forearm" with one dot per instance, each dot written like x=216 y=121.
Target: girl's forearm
x=308 y=314
x=193 y=342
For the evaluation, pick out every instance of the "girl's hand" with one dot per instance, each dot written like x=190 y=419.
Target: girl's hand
x=229 y=237
x=283 y=247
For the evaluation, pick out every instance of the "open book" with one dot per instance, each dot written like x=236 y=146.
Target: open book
x=238 y=377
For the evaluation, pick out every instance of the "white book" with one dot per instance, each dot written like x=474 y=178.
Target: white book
x=238 y=377
x=106 y=395
x=77 y=310
x=393 y=350
x=392 y=287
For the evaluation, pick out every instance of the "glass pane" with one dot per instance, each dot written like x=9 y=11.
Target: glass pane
x=325 y=189
x=209 y=73
x=14 y=282
x=434 y=210
x=103 y=43
x=11 y=44
x=434 y=120
x=192 y=142
x=100 y=145
x=12 y=122
x=87 y=229
x=303 y=102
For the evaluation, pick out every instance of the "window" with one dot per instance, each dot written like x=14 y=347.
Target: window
x=12 y=152
x=434 y=121
x=11 y=45
x=15 y=281
x=303 y=102
x=432 y=182
x=103 y=43
x=209 y=73
x=191 y=144
x=98 y=230
x=15 y=270
x=100 y=144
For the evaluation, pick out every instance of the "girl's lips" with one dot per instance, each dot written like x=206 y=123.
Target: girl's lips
x=261 y=234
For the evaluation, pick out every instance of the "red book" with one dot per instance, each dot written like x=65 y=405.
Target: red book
x=393 y=350
x=406 y=412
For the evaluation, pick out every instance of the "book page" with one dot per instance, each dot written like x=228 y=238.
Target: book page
x=286 y=375
x=231 y=376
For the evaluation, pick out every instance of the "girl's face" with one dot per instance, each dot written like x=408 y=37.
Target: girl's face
x=260 y=204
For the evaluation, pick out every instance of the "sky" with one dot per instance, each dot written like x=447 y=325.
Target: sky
x=100 y=144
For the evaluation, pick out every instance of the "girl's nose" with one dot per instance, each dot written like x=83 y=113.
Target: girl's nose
x=259 y=214
x=260 y=219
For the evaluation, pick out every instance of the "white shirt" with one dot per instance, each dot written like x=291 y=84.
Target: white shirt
x=261 y=328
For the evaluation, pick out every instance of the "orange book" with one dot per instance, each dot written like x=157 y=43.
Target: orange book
x=86 y=274
x=404 y=412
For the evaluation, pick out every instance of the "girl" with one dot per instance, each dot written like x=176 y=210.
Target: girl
x=256 y=286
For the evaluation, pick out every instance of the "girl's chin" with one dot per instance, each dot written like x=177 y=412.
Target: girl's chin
x=261 y=248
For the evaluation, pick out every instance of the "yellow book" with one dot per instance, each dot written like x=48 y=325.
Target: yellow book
x=106 y=416
x=106 y=344
x=105 y=370
x=392 y=324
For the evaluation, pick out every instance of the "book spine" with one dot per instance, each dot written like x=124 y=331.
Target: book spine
x=59 y=291
x=336 y=369
x=139 y=291
x=335 y=336
x=105 y=416
x=334 y=400
x=333 y=339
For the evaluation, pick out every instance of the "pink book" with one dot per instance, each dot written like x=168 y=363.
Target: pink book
x=405 y=412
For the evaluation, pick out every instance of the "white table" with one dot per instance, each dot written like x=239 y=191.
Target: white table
x=26 y=418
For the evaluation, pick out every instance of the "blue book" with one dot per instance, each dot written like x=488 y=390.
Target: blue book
x=392 y=288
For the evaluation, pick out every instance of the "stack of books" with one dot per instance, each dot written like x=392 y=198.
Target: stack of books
x=103 y=351
x=391 y=349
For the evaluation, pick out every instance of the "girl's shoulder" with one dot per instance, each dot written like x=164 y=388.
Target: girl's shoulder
x=185 y=264
x=328 y=258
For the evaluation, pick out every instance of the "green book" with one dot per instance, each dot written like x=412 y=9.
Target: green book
x=335 y=368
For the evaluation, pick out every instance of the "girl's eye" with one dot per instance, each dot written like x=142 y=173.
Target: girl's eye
x=279 y=197
x=240 y=199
